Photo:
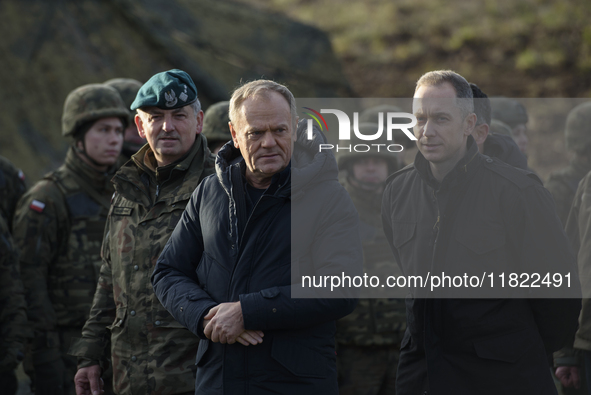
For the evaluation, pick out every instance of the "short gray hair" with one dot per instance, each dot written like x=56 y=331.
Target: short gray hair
x=196 y=105
x=258 y=88
x=464 y=97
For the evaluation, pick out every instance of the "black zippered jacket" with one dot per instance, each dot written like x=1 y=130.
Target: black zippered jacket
x=484 y=217
x=219 y=253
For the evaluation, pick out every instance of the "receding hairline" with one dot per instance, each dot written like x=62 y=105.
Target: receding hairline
x=260 y=89
x=262 y=95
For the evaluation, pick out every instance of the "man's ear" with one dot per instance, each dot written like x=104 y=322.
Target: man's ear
x=294 y=134
x=470 y=124
x=480 y=133
x=140 y=125
x=80 y=144
x=200 y=122
x=233 y=132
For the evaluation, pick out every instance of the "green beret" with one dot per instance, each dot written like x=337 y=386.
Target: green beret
x=167 y=90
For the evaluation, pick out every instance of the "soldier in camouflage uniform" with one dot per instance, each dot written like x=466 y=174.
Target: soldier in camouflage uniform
x=215 y=126
x=132 y=142
x=563 y=183
x=13 y=318
x=368 y=340
x=151 y=352
x=59 y=226
x=12 y=187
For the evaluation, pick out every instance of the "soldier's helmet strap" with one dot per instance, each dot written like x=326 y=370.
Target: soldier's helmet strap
x=83 y=152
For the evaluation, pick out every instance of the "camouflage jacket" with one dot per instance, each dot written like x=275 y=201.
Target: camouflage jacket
x=12 y=187
x=151 y=352
x=374 y=322
x=13 y=318
x=58 y=227
x=563 y=184
x=577 y=230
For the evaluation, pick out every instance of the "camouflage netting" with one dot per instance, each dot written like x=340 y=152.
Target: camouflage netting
x=50 y=48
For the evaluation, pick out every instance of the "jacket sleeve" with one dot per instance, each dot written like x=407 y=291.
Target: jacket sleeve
x=91 y=347
x=578 y=229
x=336 y=248
x=13 y=316
x=542 y=247
x=174 y=279
x=40 y=232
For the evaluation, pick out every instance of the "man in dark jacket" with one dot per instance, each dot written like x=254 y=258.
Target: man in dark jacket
x=226 y=272
x=465 y=213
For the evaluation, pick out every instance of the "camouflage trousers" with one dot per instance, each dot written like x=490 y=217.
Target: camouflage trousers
x=367 y=370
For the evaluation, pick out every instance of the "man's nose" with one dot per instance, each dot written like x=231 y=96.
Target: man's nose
x=268 y=140
x=115 y=137
x=428 y=129
x=168 y=124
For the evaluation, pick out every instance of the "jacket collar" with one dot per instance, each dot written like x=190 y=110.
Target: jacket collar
x=462 y=171
x=164 y=173
x=97 y=179
x=194 y=160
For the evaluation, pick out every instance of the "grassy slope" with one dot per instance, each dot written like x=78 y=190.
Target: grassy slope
x=525 y=48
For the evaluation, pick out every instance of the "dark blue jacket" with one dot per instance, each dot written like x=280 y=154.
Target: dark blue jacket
x=218 y=253
x=484 y=217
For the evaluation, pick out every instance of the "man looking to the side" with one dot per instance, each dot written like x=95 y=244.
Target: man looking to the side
x=151 y=353
x=463 y=212
x=274 y=207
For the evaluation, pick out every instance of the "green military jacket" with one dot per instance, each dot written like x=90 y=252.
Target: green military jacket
x=578 y=230
x=58 y=228
x=563 y=185
x=151 y=352
x=12 y=187
x=13 y=316
x=374 y=322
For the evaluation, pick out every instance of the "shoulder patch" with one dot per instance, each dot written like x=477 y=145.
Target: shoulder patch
x=38 y=206
x=519 y=177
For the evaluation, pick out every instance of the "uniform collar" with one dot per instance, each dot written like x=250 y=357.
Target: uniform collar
x=97 y=179
x=145 y=154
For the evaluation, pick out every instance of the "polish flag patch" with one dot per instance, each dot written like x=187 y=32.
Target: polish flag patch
x=21 y=175
x=38 y=206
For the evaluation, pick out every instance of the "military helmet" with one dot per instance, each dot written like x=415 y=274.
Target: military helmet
x=578 y=130
x=127 y=88
x=91 y=102
x=500 y=127
x=215 y=122
x=509 y=111
x=345 y=158
x=371 y=114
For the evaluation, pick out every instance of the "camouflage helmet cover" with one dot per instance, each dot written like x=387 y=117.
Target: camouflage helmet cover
x=346 y=157
x=509 y=111
x=215 y=122
x=91 y=102
x=500 y=127
x=578 y=130
x=127 y=88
